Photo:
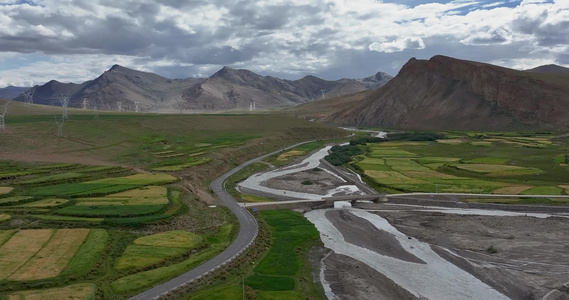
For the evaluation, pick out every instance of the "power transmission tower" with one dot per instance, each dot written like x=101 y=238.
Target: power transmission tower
x=59 y=124
x=96 y=113
x=136 y=106
x=3 y=110
x=29 y=96
x=64 y=100
x=119 y=106
x=84 y=103
x=179 y=102
x=322 y=91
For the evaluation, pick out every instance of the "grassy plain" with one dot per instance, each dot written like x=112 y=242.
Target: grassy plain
x=44 y=180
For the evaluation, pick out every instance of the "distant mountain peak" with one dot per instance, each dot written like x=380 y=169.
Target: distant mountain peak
x=551 y=68
x=118 y=68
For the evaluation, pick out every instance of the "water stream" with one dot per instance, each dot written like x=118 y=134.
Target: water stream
x=437 y=279
x=257 y=181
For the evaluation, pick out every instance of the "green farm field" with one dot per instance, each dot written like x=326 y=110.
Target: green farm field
x=284 y=272
x=505 y=164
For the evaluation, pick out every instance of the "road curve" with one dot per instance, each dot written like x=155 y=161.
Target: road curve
x=248 y=230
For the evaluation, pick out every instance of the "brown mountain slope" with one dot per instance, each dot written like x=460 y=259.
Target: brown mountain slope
x=240 y=89
x=227 y=89
x=447 y=93
x=549 y=69
x=321 y=109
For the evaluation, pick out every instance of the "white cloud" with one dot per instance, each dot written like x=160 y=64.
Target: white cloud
x=330 y=38
x=398 y=45
x=495 y=36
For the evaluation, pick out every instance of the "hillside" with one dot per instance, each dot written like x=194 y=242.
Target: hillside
x=448 y=93
x=321 y=109
x=227 y=89
x=11 y=92
x=549 y=69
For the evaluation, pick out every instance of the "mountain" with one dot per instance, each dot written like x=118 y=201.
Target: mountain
x=240 y=89
x=452 y=94
x=118 y=84
x=227 y=89
x=11 y=92
x=549 y=69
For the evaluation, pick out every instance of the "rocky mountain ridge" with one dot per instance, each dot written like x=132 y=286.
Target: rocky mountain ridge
x=228 y=89
x=453 y=94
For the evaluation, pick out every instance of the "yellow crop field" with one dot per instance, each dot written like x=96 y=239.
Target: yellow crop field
x=81 y=291
x=151 y=178
x=288 y=154
x=45 y=203
x=4 y=217
x=451 y=141
x=565 y=187
x=372 y=161
x=53 y=257
x=5 y=189
x=171 y=239
x=391 y=177
x=378 y=152
x=487 y=168
x=429 y=174
x=20 y=248
x=512 y=190
x=397 y=144
x=148 y=195
x=149 y=191
x=484 y=144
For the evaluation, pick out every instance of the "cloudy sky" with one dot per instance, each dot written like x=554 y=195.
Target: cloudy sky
x=77 y=40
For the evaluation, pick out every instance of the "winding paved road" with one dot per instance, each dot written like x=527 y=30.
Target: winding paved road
x=248 y=230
